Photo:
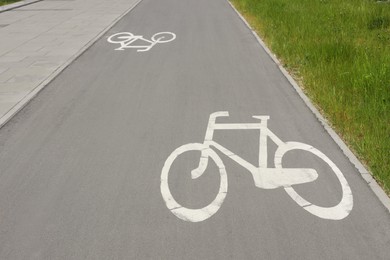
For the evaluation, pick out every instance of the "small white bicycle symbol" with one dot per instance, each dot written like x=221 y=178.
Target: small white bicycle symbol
x=127 y=40
x=264 y=177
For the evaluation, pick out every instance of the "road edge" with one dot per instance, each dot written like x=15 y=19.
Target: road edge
x=366 y=175
x=26 y=99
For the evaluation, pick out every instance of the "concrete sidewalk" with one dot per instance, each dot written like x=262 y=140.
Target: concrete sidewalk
x=39 y=40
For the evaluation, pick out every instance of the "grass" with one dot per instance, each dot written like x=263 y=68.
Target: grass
x=6 y=2
x=339 y=52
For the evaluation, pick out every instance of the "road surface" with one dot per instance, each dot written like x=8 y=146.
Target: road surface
x=81 y=165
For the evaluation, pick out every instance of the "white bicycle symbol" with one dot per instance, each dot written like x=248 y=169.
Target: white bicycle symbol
x=126 y=40
x=264 y=177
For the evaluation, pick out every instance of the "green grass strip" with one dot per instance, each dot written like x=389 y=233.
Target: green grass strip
x=339 y=52
x=6 y=2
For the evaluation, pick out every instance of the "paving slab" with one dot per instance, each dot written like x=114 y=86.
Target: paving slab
x=39 y=38
x=18 y=4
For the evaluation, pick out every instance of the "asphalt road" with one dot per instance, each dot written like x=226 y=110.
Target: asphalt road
x=80 y=166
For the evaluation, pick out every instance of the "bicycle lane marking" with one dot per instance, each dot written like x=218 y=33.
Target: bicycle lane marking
x=264 y=177
x=128 y=40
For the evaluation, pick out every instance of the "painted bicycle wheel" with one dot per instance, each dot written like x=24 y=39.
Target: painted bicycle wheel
x=337 y=212
x=163 y=37
x=120 y=37
x=187 y=214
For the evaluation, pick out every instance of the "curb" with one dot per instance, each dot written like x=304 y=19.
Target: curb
x=366 y=175
x=17 y=5
x=26 y=99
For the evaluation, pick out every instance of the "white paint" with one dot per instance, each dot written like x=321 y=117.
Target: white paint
x=194 y=215
x=264 y=177
x=128 y=40
x=342 y=209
